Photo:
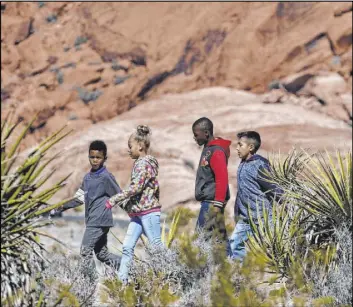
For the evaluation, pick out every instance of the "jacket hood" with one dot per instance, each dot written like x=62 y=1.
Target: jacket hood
x=153 y=162
x=225 y=144
x=257 y=157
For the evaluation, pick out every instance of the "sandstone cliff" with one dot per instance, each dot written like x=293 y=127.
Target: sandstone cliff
x=83 y=63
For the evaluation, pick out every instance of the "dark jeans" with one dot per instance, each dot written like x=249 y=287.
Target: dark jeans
x=211 y=220
x=95 y=240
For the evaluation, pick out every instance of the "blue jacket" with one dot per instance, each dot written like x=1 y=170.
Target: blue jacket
x=253 y=188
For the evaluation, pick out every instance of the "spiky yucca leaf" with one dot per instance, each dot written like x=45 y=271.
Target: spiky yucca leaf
x=168 y=240
x=321 y=184
x=286 y=172
x=274 y=237
x=22 y=204
x=326 y=188
x=318 y=201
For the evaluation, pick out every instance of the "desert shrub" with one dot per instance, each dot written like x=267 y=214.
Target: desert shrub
x=65 y=281
x=87 y=96
x=116 y=66
x=170 y=272
x=119 y=80
x=338 y=283
x=52 y=18
x=80 y=40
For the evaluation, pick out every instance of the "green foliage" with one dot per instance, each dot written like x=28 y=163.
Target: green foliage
x=185 y=215
x=274 y=237
x=149 y=290
x=167 y=240
x=327 y=301
x=23 y=201
x=301 y=236
x=66 y=298
x=222 y=290
x=190 y=254
x=320 y=184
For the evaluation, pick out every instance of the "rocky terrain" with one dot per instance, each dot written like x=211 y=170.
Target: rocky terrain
x=283 y=69
x=83 y=63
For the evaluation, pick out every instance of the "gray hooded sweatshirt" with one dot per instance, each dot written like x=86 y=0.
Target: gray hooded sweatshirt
x=97 y=187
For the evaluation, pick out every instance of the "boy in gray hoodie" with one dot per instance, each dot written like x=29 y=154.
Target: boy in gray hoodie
x=97 y=187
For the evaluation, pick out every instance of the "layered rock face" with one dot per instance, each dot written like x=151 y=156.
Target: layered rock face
x=85 y=63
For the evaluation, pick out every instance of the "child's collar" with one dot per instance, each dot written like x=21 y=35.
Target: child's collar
x=99 y=171
x=252 y=158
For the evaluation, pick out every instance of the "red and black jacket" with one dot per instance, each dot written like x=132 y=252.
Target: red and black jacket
x=212 y=173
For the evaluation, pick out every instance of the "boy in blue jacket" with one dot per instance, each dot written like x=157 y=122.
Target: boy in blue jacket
x=253 y=189
x=97 y=187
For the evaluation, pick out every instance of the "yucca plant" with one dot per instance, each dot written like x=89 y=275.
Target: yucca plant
x=275 y=237
x=320 y=184
x=318 y=201
x=168 y=239
x=285 y=172
x=326 y=189
x=23 y=202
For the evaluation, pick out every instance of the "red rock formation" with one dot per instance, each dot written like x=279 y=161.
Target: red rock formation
x=120 y=54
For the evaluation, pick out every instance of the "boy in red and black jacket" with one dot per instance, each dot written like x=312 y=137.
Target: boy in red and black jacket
x=211 y=187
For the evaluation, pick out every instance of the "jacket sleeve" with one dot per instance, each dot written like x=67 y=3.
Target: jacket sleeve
x=79 y=199
x=141 y=174
x=272 y=191
x=218 y=165
x=112 y=187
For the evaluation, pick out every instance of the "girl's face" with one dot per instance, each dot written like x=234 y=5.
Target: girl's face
x=135 y=149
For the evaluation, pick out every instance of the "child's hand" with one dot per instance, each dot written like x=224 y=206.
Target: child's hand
x=51 y=214
x=108 y=204
x=54 y=212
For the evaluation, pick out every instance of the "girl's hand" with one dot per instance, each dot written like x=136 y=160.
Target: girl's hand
x=108 y=204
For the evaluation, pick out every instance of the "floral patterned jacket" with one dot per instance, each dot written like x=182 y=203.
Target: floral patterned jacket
x=142 y=196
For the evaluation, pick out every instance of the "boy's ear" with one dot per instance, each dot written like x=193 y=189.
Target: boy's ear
x=105 y=158
x=252 y=147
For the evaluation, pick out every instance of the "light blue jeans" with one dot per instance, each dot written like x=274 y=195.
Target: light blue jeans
x=148 y=224
x=237 y=241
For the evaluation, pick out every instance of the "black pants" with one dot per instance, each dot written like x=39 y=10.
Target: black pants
x=95 y=240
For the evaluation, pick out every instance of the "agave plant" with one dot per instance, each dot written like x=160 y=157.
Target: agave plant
x=23 y=202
